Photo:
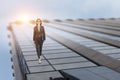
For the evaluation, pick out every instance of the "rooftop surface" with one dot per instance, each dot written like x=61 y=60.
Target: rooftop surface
x=74 y=49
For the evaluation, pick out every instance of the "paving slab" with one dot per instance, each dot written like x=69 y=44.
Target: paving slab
x=93 y=73
x=44 y=76
x=39 y=69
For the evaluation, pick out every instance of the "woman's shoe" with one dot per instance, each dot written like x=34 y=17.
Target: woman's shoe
x=40 y=61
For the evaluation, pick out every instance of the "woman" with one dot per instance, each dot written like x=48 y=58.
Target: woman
x=38 y=38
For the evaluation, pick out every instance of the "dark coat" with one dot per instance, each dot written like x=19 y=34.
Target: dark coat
x=36 y=33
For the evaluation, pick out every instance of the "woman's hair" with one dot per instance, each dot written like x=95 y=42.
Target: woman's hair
x=39 y=20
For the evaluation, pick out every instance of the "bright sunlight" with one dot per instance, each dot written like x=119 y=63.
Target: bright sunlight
x=24 y=18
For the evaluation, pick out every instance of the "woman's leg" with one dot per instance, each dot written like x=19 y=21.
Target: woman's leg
x=38 y=50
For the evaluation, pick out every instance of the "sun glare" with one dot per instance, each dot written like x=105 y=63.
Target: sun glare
x=24 y=18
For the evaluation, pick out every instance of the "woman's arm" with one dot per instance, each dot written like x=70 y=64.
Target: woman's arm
x=34 y=34
x=44 y=35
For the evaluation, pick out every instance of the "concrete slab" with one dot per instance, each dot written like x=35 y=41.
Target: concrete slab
x=35 y=63
x=37 y=69
x=30 y=58
x=44 y=76
x=93 y=73
x=68 y=60
x=73 y=65
x=61 y=55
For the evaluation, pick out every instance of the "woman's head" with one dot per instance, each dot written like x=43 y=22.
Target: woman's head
x=38 y=22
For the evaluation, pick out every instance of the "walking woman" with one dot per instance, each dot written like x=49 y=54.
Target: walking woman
x=38 y=38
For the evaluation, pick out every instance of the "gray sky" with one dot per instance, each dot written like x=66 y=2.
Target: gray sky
x=62 y=9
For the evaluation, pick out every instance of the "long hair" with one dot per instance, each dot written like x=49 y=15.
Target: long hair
x=37 y=22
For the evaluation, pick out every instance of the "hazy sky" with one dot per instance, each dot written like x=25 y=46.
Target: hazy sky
x=5 y=63
x=62 y=9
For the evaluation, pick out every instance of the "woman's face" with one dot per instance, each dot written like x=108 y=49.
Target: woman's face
x=38 y=22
